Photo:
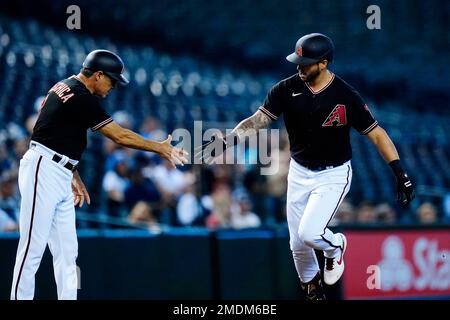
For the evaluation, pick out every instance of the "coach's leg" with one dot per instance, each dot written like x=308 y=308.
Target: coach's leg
x=36 y=214
x=322 y=204
x=64 y=247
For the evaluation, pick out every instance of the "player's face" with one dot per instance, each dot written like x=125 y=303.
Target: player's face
x=308 y=73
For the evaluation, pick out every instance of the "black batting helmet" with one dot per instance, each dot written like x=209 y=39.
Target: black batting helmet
x=108 y=62
x=312 y=48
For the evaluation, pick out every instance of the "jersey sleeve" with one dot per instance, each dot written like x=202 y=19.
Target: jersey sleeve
x=272 y=106
x=361 y=117
x=96 y=116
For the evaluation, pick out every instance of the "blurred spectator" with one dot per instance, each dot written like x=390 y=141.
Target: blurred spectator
x=223 y=174
x=345 y=214
x=170 y=180
x=115 y=153
x=142 y=215
x=256 y=184
x=20 y=147
x=5 y=162
x=277 y=185
x=385 y=214
x=188 y=208
x=15 y=132
x=427 y=213
x=171 y=183
x=241 y=214
x=9 y=194
x=151 y=129
x=124 y=119
x=115 y=183
x=220 y=217
x=30 y=122
x=6 y=223
x=139 y=189
x=142 y=200
x=366 y=213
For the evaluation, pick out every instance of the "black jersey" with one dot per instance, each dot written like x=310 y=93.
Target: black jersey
x=318 y=122
x=66 y=113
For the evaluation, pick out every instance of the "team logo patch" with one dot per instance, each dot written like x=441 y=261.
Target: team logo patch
x=337 y=117
x=299 y=51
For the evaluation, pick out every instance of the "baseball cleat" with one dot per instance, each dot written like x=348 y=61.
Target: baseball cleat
x=313 y=290
x=334 y=267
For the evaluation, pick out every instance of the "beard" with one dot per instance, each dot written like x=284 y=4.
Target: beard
x=311 y=76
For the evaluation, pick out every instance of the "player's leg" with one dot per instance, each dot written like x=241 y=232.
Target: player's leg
x=63 y=245
x=304 y=257
x=305 y=260
x=324 y=200
x=36 y=214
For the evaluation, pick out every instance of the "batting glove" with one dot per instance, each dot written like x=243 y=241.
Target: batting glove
x=405 y=189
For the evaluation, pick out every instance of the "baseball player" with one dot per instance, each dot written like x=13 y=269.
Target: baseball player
x=319 y=108
x=49 y=182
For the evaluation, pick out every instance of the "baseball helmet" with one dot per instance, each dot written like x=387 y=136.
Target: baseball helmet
x=107 y=62
x=312 y=48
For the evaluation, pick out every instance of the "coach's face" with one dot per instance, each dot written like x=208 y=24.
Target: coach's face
x=104 y=84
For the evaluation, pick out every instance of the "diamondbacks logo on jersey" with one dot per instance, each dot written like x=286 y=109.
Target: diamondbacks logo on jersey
x=337 y=117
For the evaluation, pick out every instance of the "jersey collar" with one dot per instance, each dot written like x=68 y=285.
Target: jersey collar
x=81 y=82
x=326 y=86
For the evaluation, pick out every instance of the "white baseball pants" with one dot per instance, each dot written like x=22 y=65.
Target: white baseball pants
x=312 y=200
x=47 y=215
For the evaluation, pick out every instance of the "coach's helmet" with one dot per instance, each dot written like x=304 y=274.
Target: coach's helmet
x=108 y=62
x=312 y=48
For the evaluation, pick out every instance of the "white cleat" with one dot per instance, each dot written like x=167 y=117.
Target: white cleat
x=334 y=267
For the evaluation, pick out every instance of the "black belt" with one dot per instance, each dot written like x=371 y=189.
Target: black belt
x=68 y=165
x=321 y=168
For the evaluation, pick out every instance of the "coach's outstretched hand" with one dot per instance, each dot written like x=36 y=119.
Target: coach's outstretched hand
x=174 y=155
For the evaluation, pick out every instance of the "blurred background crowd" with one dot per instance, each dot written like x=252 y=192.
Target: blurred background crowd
x=191 y=63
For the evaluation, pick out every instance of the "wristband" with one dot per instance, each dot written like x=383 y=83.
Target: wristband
x=396 y=167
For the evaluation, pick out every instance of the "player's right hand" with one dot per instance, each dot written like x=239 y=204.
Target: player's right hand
x=405 y=189
x=211 y=149
x=174 y=155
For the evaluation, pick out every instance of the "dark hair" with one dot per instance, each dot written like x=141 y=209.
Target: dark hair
x=87 y=72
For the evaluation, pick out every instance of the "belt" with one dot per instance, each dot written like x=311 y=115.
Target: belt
x=321 y=168
x=68 y=165
x=53 y=155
